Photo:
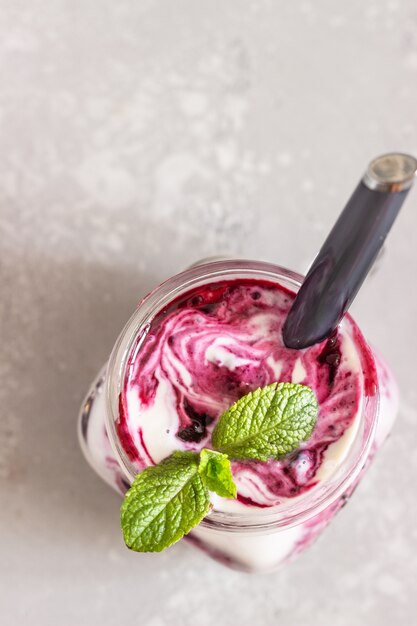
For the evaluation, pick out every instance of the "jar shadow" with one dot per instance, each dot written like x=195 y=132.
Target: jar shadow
x=64 y=321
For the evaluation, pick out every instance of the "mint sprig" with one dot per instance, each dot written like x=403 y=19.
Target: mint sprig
x=216 y=473
x=167 y=500
x=164 y=503
x=267 y=423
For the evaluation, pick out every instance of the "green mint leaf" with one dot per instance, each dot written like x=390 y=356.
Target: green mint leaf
x=164 y=503
x=215 y=471
x=269 y=422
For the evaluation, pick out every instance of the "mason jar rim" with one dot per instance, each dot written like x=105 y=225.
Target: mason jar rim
x=295 y=510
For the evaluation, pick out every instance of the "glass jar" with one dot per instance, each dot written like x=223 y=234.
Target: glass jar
x=258 y=541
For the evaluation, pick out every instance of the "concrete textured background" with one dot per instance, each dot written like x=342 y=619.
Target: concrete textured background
x=138 y=136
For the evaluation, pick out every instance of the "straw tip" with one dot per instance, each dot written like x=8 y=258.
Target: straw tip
x=391 y=172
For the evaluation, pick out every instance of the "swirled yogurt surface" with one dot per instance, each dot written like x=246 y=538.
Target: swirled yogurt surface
x=214 y=344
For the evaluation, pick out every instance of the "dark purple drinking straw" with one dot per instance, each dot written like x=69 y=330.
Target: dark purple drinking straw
x=349 y=251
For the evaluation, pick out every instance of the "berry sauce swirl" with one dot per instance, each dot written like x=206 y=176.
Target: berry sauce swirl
x=216 y=343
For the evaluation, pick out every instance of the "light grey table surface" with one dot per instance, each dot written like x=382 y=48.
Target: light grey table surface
x=135 y=137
